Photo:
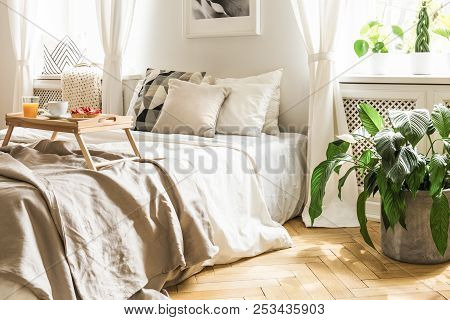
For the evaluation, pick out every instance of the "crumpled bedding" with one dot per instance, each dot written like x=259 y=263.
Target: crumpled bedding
x=73 y=233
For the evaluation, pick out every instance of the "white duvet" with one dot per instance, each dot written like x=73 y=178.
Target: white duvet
x=279 y=161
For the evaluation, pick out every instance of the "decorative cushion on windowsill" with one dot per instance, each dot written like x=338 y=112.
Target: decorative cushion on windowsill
x=64 y=56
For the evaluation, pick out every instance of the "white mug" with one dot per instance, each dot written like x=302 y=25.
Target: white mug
x=57 y=108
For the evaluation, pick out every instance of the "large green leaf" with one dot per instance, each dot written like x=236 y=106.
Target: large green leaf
x=365 y=159
x=439 y=221
x=337 y=147
x=384 y=217
x=393 y=201
x=347 y=137
x=438 y=164
x=361 y=133
x=361 y=213
x=394 y=206
x=319 y=179
x=415 y=179
x=387 y=143
x=447 y=146
x=412 y=124
x=431 y=129
x=405 y=163
x=370 y=183
x=343 y=179
x=370 y=118
x=441 y=120
x=361 y=47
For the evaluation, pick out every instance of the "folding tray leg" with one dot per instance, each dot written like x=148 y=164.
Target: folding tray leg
x=54 y=135
x=8 y=136
x=133 y=143
x=85 y=151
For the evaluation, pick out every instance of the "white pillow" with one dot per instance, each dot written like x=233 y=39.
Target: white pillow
x=244 y=111
x=191 y=109
x=273 y=110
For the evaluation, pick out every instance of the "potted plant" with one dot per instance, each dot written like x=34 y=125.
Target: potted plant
x=413 y=187
x=421 y=59
x=375 y=37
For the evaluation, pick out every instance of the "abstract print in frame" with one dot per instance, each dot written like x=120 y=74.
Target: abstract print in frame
x=221 y=18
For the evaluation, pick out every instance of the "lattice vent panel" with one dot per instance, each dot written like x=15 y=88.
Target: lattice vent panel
x=382 y=106
x=47 y=95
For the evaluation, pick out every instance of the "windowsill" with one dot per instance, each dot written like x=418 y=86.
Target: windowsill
x=58 y=77
x=436 y=79
x=53 y=82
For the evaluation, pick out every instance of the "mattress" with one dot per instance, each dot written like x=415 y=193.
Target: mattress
x=280 y=161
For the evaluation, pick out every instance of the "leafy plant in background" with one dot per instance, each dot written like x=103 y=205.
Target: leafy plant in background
x=423 y=36
x=375 y=37
x=444 y=26
x=392 y=167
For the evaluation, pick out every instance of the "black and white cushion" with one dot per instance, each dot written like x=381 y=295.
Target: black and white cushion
x=149 y=99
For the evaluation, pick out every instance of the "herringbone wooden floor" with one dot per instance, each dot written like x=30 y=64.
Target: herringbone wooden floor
x=324 y=264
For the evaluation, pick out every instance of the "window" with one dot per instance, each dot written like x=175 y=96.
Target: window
x=76 y=19
x=402 y=13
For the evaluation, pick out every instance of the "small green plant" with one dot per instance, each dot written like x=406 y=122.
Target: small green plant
x=392 y=166
x=443 y=28
x=443 y=33
x=423 y=36
x=375 y=37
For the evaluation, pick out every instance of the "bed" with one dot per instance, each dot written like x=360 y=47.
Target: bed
x=280 y=160
x=267 y=173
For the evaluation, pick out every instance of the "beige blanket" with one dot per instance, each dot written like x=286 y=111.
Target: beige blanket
x=67 y=232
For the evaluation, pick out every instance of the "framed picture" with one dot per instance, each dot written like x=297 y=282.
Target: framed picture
x=221 y=18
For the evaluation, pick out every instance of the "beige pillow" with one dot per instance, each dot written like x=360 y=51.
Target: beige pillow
x=273 y=109
x=244 y=112
x=191 y=109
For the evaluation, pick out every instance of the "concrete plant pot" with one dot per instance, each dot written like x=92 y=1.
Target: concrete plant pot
x=416 y=244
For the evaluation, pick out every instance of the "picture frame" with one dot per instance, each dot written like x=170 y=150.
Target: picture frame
x=203 y=19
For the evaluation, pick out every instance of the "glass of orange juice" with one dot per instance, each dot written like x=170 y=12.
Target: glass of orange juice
x=30 y=106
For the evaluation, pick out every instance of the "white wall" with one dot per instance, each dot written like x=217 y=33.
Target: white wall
x=157 y=41
x=7 y=67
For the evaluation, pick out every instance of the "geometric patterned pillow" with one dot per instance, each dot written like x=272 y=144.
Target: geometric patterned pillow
x=150 y=98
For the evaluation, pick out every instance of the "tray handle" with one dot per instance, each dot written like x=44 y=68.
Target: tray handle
x=107 y=118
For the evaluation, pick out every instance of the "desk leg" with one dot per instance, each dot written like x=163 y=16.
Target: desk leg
x=54 y=135
x=133 y=143
x=8 y=136
x=85 y=151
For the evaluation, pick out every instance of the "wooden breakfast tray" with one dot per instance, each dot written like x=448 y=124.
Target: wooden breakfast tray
x=76 y=126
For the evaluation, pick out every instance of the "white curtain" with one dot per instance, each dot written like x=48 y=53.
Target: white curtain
x=318 y=22
x=115 y=19
x=19 y=11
